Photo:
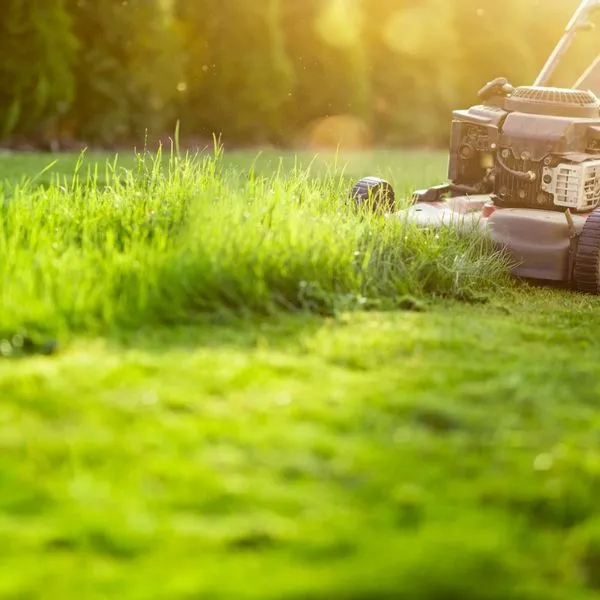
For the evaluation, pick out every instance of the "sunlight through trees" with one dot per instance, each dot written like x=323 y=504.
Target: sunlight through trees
x=262 y=72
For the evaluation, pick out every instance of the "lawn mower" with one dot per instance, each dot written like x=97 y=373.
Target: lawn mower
x=524 y=167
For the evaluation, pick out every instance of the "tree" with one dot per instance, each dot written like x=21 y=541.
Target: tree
x=255 y=72
x=413 y=69
x=37 y=50
x=237 y=76
x=326 y=45
x=127 y=72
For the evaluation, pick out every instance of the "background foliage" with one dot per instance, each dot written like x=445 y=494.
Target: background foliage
x=389 y=71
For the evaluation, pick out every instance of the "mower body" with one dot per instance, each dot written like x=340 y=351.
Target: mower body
x=524 y=167
x=529 y=161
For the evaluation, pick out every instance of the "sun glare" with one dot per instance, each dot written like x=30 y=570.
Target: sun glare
x=340 y=23
x=410 y=31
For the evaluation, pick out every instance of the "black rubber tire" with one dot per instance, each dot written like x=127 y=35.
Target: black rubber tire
x=375 y=194
x=586 y=268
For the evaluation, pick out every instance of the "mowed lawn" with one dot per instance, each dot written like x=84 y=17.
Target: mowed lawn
x=420 y=434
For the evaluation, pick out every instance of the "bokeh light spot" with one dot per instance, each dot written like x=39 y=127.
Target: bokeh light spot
x=346 y=132
x=340 y=23
x=407 y=31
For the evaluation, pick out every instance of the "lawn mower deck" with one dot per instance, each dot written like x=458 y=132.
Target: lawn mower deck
x=541 y=244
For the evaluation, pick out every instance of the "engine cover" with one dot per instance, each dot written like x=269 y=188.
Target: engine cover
x=535 y=148
x=557 y=102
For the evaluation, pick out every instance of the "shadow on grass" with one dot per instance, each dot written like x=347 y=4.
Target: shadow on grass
x=246 y=333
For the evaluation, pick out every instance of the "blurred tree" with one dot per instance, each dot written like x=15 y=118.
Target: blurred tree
x=37 y=49
x=325 y=43
x=127 y=72
x=413 y=69
x=237 y=76
x=256 y=72
x=496 y=41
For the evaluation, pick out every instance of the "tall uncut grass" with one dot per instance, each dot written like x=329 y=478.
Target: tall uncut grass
x=179 y=237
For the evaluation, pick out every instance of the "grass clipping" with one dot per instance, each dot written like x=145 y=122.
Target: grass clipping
x=176 y=238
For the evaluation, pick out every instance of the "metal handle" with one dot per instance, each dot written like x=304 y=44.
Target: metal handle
x=577 y=22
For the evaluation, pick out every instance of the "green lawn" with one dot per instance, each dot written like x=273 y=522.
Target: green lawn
x=222 y=421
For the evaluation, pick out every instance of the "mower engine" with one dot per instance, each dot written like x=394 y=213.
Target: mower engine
x=529 y=147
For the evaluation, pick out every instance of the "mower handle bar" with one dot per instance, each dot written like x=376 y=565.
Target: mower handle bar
x=578 y=22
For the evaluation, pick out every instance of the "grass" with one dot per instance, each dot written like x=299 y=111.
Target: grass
x=166 y=242
x=212 y=428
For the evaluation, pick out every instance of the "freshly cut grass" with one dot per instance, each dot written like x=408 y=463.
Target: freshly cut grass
x=172 y=239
